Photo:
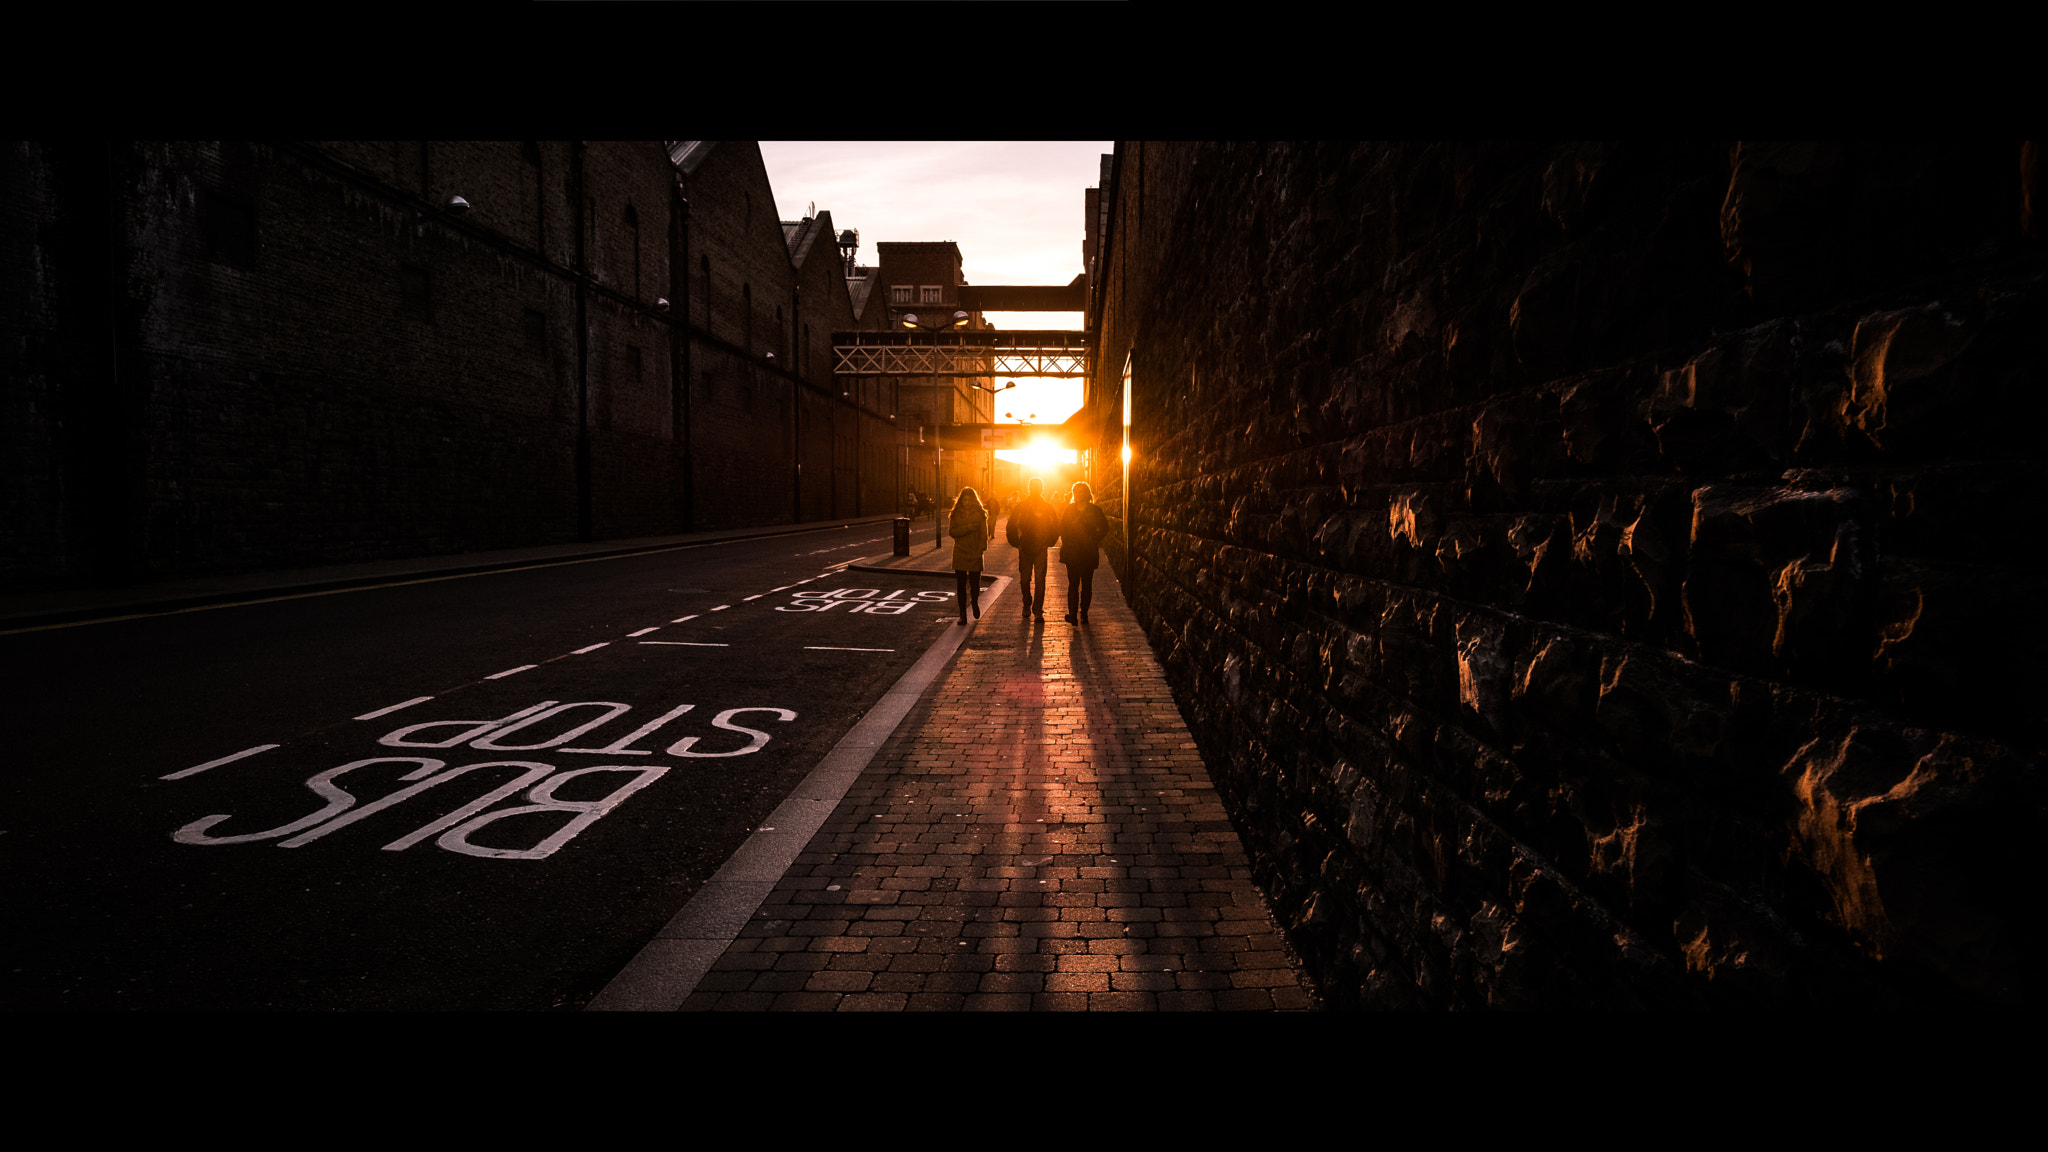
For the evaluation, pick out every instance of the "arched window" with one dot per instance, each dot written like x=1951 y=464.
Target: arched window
x=633 y=246
x=704 y=263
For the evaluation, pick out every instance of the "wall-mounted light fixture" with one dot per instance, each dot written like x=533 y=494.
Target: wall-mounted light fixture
x=455 y=206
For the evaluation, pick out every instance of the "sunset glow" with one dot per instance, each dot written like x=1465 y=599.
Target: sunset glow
x=1040 y=457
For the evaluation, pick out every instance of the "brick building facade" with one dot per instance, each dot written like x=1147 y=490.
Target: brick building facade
x=1595 y=572
x=924 y=278
x=233 y=356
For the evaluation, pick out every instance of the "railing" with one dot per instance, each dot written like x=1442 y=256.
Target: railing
x=960 y=354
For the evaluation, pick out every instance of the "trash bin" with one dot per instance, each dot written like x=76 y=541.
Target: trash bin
x=902 y=536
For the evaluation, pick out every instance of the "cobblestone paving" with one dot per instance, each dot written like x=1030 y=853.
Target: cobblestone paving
x=1039 y=835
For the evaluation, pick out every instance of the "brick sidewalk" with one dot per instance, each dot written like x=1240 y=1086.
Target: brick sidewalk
x=1040 y=834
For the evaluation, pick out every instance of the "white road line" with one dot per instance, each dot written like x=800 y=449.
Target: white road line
x=680 y=619
x=511 y=671
x=667 y=970
x=645 y=631
x=756 y=596
x=394 y=708
x=595 y=647
x=686 y=644
x=830 y=648
x=721 y=607
x=805 y=580
x=784 y=588
x=198 y=768
x=402 y=583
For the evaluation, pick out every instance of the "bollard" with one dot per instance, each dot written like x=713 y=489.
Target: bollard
x=902 y=525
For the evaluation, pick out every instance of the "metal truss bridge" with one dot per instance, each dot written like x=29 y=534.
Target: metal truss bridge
x=960 y=353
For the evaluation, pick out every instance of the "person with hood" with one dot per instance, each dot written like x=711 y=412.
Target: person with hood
x=970 y=532
x=1082 y=528
x=1034 y=525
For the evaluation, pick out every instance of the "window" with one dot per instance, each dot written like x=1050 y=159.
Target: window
x=632 y=238
x=901 y=294
x=930 y=294
x=415 y=294
x=229 y=226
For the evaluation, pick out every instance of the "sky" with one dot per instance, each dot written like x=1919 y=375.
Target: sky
x=1015 y=208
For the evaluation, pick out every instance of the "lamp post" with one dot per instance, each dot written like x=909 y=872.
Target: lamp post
x=992 y=393
x=936 y=325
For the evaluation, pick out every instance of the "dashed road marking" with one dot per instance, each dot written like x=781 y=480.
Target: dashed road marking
x=394 y=708
x=510 y=672
x=645 y=631
x=668 y=969
x=721 y=607
x=402 y=583
x=680 y=619
x=593 y=647
x=198 y=768
x=756 y=596
x=685 y=644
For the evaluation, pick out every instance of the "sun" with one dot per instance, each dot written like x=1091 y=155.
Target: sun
x=1041 y=455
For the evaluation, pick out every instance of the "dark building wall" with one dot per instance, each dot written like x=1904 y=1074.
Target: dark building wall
x=296 y=372
x=847 y=432
x=743 y=434
x=1596 y=572
x=764 y=407
x=229 y=356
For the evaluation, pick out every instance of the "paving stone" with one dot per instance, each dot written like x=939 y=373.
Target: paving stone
x=874 y=1002
x=1039 y=835
x=806 y=1002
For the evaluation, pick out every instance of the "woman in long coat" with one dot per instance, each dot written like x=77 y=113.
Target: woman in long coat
x=1082 y=527
x=970 y=532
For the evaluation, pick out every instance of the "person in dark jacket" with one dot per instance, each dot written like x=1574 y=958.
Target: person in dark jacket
x=1082 y=528
x=1034 y=525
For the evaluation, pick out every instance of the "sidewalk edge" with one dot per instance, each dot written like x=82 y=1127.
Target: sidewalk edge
x=668 y=968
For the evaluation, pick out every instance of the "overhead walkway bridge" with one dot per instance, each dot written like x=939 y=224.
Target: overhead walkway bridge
x=983 y=354
x=965 y=353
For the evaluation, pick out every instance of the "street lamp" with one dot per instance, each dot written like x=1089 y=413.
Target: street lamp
x=992 y=393
x=935 y=324
x=453 y=207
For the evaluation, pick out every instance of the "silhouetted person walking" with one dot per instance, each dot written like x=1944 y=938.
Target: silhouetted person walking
x=1034 y=525
x=1082 y=527
x=970 y=532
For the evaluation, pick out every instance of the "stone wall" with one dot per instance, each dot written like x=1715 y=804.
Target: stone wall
x=1597 y=572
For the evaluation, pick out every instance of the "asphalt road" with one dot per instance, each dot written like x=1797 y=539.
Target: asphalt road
x=484 y=793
